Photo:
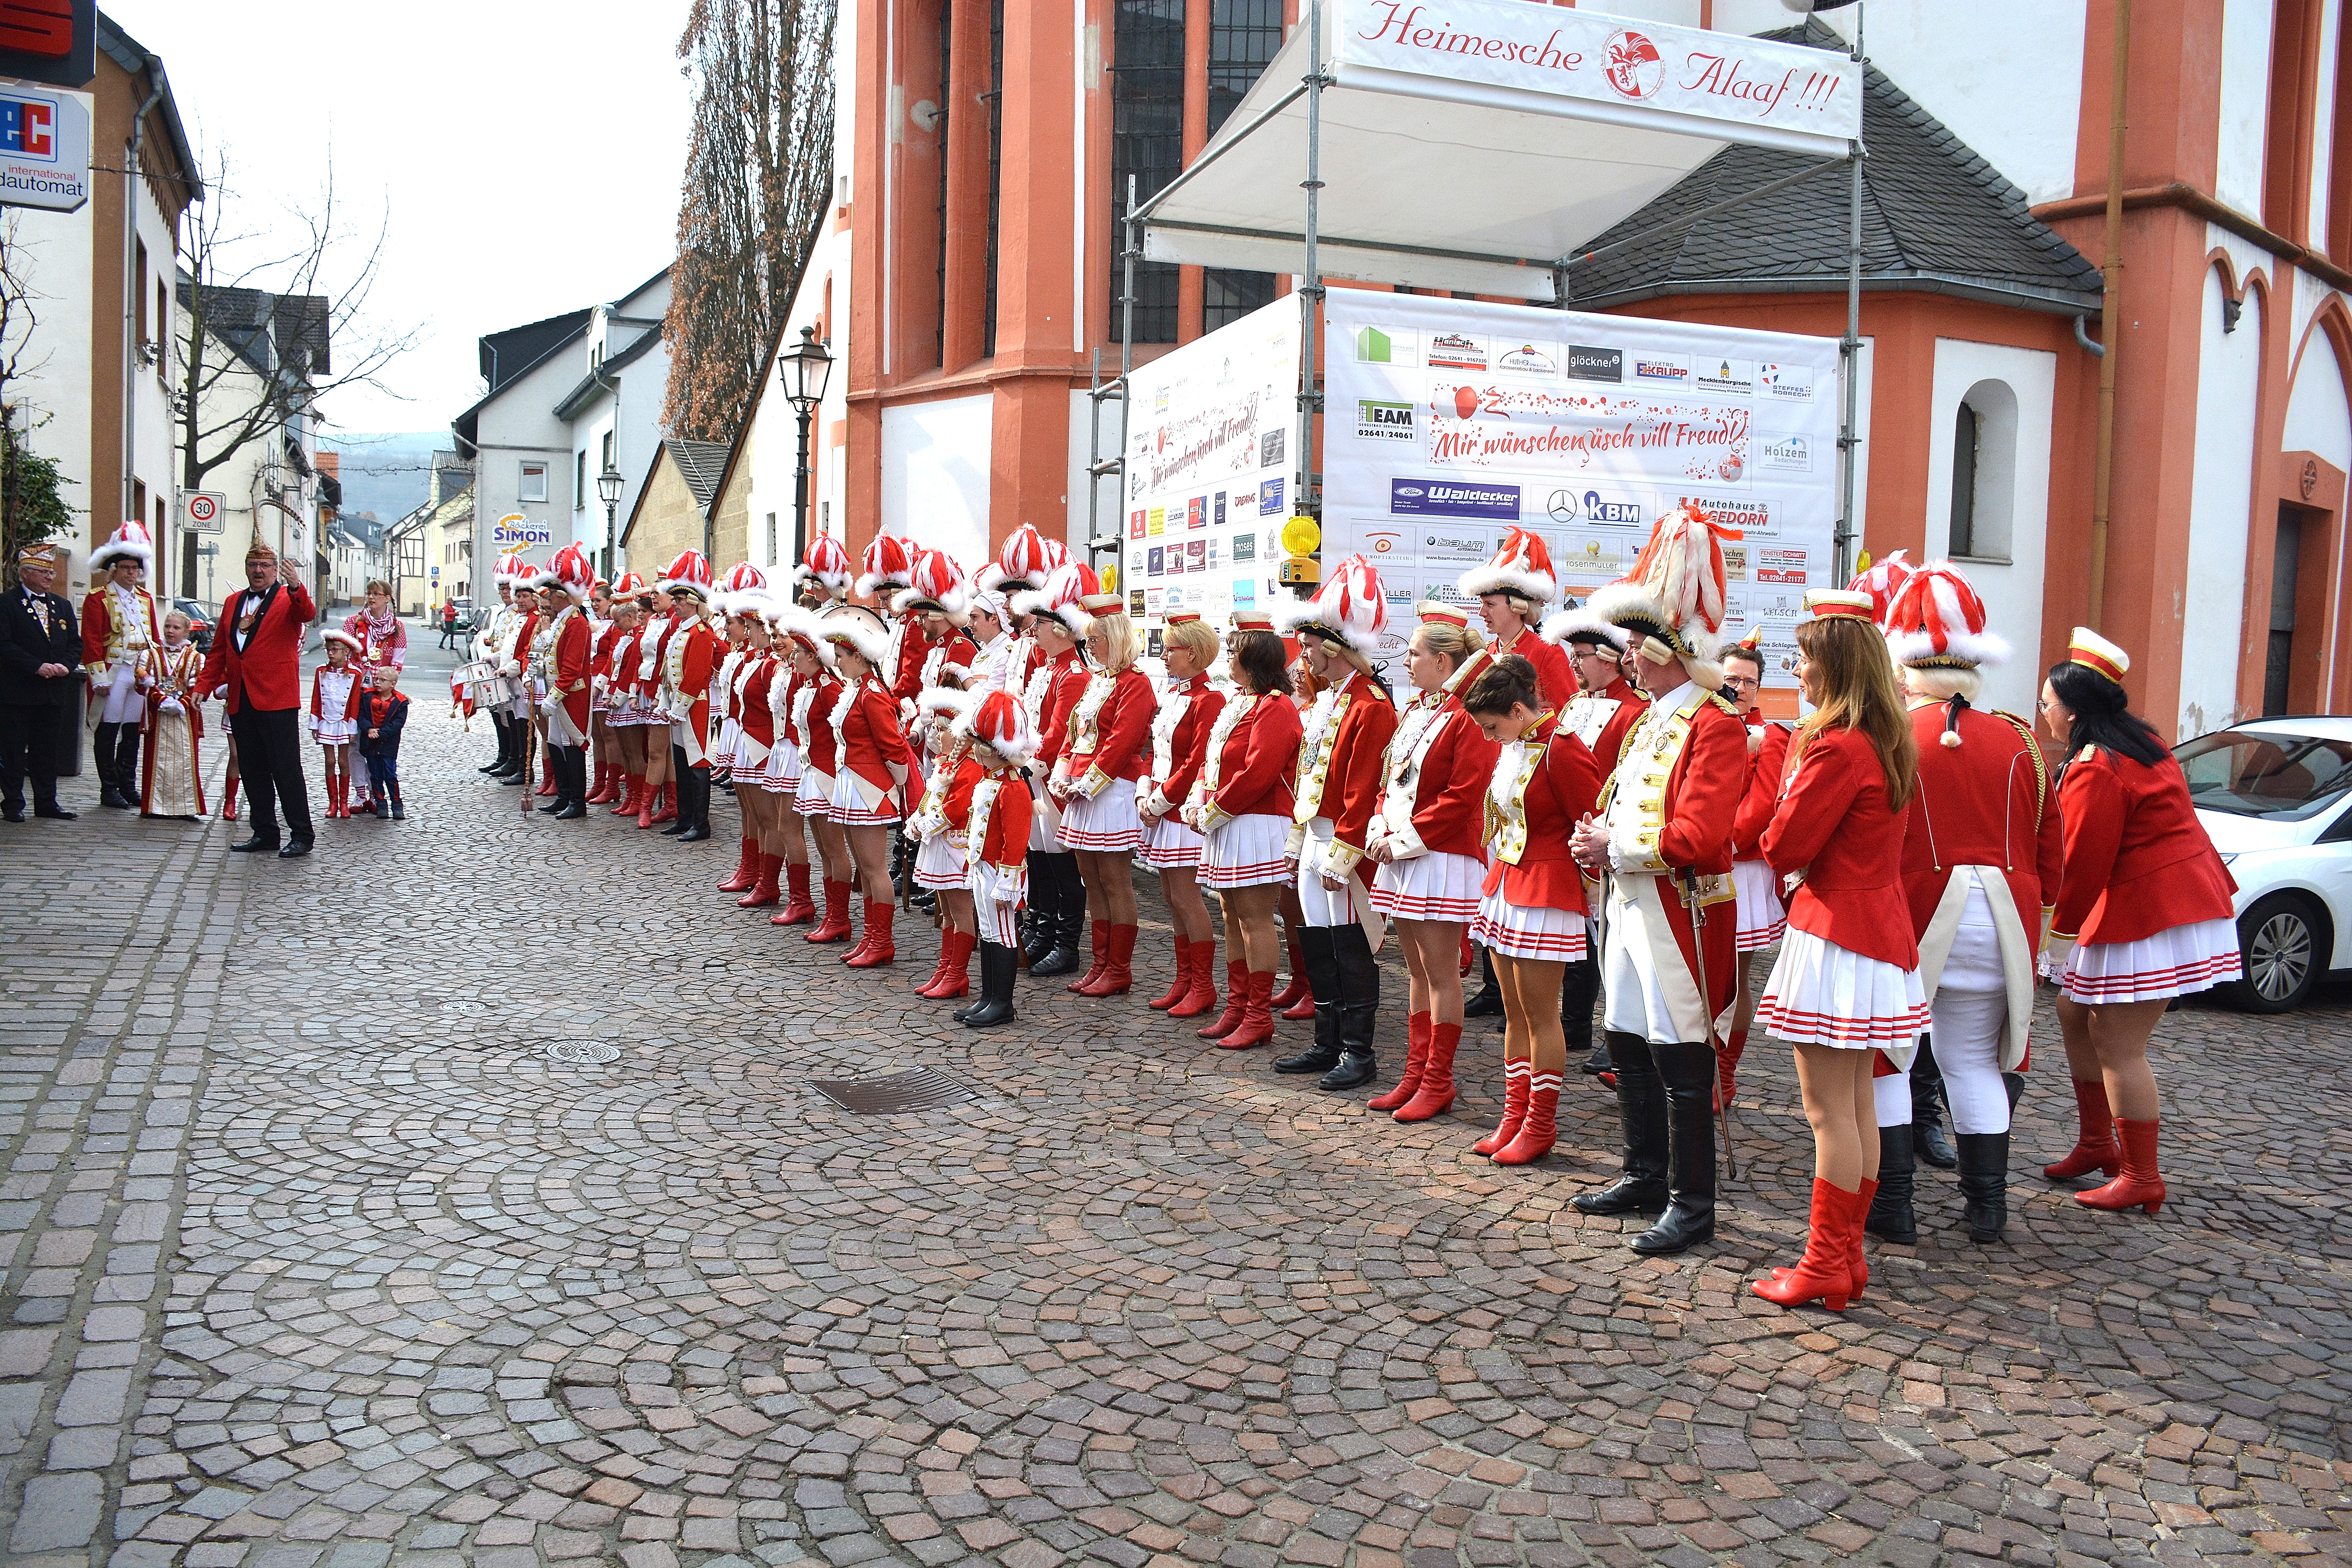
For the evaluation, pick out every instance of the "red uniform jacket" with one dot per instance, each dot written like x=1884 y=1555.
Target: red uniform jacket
x=658 y=634
x=98 y=621
x=870 y=738
x=1765 y=765
x=1188 y=742
x=1261 y=751
x=1122 y=738
x=813 y=734
x=704 y=649
x=569 y=679
x=1063 y=690
x=267 y=673
x=752 y=712
x=1357 y=755
x=351 y=698
x=1005 y=841
x=1631 y=706
x=1835 y=825
x=1449 y=800
x=1981 y=802
x=2137 y=860
x=907 y=680
x=1699 y=805
x=955 y=807
x=1555 y=680
x=1560 y=792
x=600 y=661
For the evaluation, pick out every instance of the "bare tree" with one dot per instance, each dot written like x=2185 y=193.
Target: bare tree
x=32 y=506
x=759 y=172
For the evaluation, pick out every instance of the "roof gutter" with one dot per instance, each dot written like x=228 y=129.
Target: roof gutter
x=2049 y=301
x=2198 y=204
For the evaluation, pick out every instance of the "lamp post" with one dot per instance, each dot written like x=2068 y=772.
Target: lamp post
x=608 y=487
x=803 y=372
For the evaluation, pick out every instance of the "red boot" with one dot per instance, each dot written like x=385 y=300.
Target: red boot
x=1540 y=1131
x=606 y=774
x=1435 y=1095
x=1516 y=1071
x=1726 y=1067
x=1821 y=1274
x=1236 y=1002
x=1181 y=985
x=797 y=910
x=1290 y=995
x=1257 y=1027
x=1416 y=1056
x=547 y=773
x=1469 y=953
x=764 y=886
x=876 y=949
x=747 y=867
x=632 y=795
x=2139 y=1187
x=1201 y=984
x=953 y=976
x=2095 y=1145
x=835 y=927
x=228 y=800
x=1117 y=977
x=665 y=805
x=1101 y=932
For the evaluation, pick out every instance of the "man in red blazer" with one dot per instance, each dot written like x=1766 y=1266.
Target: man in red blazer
x=257 y=662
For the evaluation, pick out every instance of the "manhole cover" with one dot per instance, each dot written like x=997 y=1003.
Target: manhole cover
x=922 y=1089
x=580 y=1051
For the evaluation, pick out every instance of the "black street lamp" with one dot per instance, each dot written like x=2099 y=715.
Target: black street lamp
x=803 y=372
x=608 y=486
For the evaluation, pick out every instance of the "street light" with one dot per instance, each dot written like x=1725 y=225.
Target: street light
x=608 y=486
x=803 y=372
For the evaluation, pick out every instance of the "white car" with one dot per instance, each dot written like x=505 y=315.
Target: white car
x=2275 y=796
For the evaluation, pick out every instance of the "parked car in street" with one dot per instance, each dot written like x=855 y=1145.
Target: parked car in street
x=2275 y=796
x=200 y=622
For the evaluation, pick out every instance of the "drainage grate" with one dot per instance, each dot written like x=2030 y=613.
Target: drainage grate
x=922 y=1089
x=580 y=1051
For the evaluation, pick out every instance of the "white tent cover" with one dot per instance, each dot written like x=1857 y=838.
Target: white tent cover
x=1472 y=144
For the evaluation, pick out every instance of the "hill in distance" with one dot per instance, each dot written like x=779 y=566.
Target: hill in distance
x=387 y=473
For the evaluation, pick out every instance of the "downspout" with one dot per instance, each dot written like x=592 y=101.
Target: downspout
x=152 y=66
x=2110 y=322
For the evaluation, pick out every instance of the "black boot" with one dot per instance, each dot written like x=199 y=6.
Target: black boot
x=575 y=800
x=397 y=814
x=997 y=967
x=1642 y=1107
x=509 y=768
x=1689 y=1220
x=1360 y=1007
x=497 y=764
x=1984 y=1183
x=1488 y=1002
x=102 y=762
x=1891 y=1215
x=682 y=781
x=558 y=760
x=1037 y=932
x=1069 y=953
x=700 y=828
x=1322 y=962
x=1579 y=989
x=126 y=765
x=1927 y=1108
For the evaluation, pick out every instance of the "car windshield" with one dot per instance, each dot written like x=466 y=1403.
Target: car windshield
x=2284 y=777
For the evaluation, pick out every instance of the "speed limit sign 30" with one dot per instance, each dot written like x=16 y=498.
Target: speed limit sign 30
x=204 y=509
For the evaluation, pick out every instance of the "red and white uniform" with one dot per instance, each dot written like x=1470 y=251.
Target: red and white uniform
x=609 y=640
x=908 y=648
x=1763 y=919
x=873 y=756
x=1848 y=974
x=813 y=735
x=726 y=722
x=2145 y=898
x=1533 y=905
x=755 y=722
x=1337 y=791
x=782 y=774
x=119 y=625
x=689 y=655
x=1108 y=749
x=1050 y=698
x=1669 y=806
x=1242 y=804
x=939 y=824
x=1179 y=743
x=1556 y=684
x=567 y=667
x=333 y=715
x=1602 y=720
x=997 y=834
x=1433 y=815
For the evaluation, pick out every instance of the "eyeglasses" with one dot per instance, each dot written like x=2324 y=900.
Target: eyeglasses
x=1741 y=682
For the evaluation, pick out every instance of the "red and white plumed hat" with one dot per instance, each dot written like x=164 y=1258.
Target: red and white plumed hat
x=1937 y=620
x=1064 y=596
x=741 y=591
x=1522 y=568
x=1024 y=563
x=861 y=630
x=570 y=571
x=511 y=571
x=689 y=572
x=1672 y=601
x=1881 y=581
x=131 y=542
x=998 y=723
x=889 y=564
x=1351 y=607
x=827 y=564
x=1582 y=626
x=945 y=701
x=2094 y=652
x=630 y=586
x=936 y=583
x=337 y=633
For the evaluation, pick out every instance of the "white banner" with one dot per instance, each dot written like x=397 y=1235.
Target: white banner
x=1447 y=422
x=1211 y=470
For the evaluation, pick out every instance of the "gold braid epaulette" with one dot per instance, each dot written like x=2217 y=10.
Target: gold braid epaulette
x=2040 y=763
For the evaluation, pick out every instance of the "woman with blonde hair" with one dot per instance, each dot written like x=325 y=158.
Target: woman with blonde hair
x=1845 y=992
x=1180 y=740
x=1093 y=781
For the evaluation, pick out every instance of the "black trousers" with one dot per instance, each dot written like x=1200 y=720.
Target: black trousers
x=29 y=745
x=270 y=757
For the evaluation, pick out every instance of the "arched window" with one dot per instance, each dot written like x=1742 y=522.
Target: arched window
x=1984 y=472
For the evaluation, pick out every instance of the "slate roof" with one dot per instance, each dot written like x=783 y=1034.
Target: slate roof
x=1935 y=218
x=508 y=354
x=248 y=320
x=701 y=462
x=585 y=389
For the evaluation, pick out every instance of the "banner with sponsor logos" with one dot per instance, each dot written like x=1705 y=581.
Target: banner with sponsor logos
x=1211 y=470
x=1448 y=422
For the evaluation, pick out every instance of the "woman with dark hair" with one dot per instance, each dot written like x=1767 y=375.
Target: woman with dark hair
x=2143 y=915
x=1531 y=916
x=1845 y=991
x=1241 y=805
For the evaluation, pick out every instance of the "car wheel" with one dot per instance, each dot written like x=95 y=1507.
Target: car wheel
x=2281 y=940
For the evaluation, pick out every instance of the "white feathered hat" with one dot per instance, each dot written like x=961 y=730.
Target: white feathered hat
x=1027 y=559
x=131 y=542
x=998 y=723
x=1351 y=607
x=1937 y=618
x=1672 y=599
x=889 y=562
x=827 y=565
x=1521 y=567
x=936 y=583
x=1064 y=596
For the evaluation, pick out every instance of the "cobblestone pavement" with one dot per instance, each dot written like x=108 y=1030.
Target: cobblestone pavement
x=320 y=1259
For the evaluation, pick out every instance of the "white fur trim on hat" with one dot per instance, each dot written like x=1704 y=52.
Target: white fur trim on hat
x=1580 y=623
x=337 y=633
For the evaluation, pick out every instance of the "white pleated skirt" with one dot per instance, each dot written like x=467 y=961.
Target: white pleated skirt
x=1823 y=995
x=1044 y=820
x=814 y=797
x=1169 y=846
x=725 y=753
x=1518 y=930
x=1762 y=918
x=850 y=807
x=782 y=773
x=940 y=861
x=333 y=732
x=1105 y=825
x=2177 y=962
x=750 y=758
x=1245 y=852
x=1438 y=885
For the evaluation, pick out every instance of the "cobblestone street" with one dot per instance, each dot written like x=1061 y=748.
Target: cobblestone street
x=321 y=1258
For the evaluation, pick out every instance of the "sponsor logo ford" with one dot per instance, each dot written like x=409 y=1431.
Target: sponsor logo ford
x=1447 y=497
x=1588 y=363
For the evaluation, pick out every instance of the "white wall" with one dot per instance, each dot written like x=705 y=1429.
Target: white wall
x=2011 y=591
x=2245 y=102
x=2213 y=610
x=1107 y=502
x=2323 y=129
x=2318 y=418
x=935 y=474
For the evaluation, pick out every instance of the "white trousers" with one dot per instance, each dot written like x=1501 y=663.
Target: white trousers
x=1321 y=906
x=123 y=703
x=1971 y=1020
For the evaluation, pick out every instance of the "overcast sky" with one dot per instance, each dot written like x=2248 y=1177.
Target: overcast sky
x=528 y=152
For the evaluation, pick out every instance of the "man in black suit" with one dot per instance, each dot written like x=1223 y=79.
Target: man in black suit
x=40 y=658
